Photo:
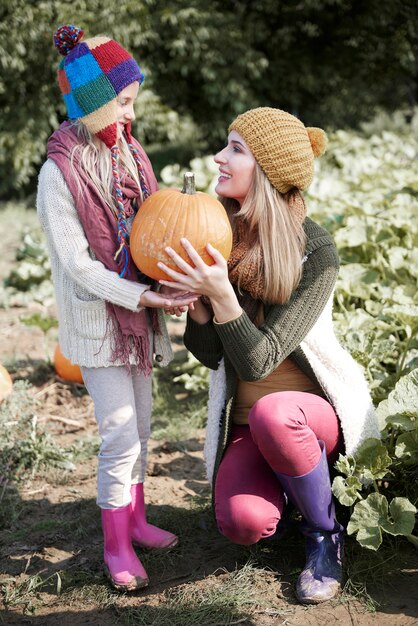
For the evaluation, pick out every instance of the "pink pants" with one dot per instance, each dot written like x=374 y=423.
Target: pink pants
x=282 y=436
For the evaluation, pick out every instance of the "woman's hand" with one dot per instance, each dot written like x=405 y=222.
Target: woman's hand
x=207 y=280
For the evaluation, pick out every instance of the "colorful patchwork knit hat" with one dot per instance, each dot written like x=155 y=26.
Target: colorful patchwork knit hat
x=282 y=145
x=91 y=75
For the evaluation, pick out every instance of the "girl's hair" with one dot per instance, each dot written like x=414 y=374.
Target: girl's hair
x=94 y=158
x=274 y=236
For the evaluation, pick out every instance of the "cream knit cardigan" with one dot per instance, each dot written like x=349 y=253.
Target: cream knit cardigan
x=82 y=284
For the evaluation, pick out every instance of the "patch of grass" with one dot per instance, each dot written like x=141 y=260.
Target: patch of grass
x=26 y=447
x=188 y=524
x=376 y=571
x=85 y=448
x=74 y=587
x=12 y=508
x=24 y=594
x=83 y=519
x=222 y=599
x=45 y=528
x=80 y=587
x=359 y=592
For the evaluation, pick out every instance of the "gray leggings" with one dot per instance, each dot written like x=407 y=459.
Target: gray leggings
x=122 y=404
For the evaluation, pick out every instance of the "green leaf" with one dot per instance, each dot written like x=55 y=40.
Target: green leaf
x=352 y=235
x=406 y=314
x=370 y=537
x=346 y=490
x=372 y=459
x=371 y=516
x=367 y=519
x=345 y=465
x=357 y=280
x=406 y=447
x=401 y=406
x=402 y=512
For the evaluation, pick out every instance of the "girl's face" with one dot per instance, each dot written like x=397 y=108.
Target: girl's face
x=125 y=105
x=236 y=167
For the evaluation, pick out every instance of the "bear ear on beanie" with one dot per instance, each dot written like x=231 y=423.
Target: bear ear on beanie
x=318 y=139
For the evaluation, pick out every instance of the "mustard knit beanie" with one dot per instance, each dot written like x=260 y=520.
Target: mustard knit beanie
x=282 y=145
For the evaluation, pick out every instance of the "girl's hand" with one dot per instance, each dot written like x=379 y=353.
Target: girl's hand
x=179 y=300
x=172 y=293
x=208 y=280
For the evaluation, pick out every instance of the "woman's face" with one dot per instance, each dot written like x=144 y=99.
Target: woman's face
x=236 y=168
x=125 y=105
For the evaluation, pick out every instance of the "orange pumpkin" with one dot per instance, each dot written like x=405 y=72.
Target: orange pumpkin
x=65 y=368
x=6 y=384
x=170 y=214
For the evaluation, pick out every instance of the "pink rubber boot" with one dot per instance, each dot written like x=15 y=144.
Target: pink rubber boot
x=143 y=534
x=122 y=566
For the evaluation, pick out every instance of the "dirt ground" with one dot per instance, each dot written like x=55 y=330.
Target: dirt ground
x=176 y=476
x=58 y=530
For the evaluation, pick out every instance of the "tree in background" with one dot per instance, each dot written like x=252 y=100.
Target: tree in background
x=331 y=61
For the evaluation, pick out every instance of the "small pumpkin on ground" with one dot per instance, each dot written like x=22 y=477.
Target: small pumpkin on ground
x=65 y=369
x=6 y=383
x=170 y=214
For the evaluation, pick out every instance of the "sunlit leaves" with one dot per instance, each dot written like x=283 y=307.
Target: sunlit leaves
x=407 y=447
x=401 y=406
x=373 y=515
x=346 y=490
x=372 y=460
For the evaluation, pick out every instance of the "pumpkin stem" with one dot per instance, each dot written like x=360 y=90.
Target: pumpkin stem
x=189 y=184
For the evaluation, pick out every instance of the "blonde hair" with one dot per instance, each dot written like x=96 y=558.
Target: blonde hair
x=94 y=158
x=274 y=236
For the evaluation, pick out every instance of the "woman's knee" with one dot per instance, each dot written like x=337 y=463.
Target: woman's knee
x=244 y=522
x=274 y=413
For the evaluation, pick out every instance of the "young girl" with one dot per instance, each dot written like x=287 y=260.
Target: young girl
x=285 y=398
x=90 y=187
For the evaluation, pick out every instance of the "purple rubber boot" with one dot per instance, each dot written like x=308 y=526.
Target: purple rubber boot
x=311 y=493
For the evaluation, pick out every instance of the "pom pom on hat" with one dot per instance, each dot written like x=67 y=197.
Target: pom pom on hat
x=318 y=139
x=66 y=38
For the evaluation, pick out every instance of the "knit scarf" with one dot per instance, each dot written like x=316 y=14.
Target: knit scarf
x=129 y=328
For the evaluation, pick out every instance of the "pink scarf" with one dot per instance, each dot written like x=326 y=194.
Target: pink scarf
x=130 y=328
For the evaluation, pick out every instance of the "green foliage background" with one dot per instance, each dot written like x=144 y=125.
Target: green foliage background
x=330 y=61
x=334 y=63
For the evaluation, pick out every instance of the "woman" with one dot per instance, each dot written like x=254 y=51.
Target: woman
x=285 y=398
x=95 y=178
